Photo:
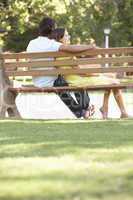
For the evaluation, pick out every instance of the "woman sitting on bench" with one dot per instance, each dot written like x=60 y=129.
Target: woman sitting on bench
x=61 y=35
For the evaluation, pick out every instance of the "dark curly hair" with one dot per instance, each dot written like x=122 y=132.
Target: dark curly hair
x=46 y=26
x=57 y=34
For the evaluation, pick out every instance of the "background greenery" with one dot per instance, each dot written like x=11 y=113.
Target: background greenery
x=85 y=19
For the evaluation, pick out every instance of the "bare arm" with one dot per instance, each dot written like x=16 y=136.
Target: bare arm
x=75 y=48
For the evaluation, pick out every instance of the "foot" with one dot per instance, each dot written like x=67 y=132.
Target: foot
x=104 y=113
x=89 y=112
x=124 y=116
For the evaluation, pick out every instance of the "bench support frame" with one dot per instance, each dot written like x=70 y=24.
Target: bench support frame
x=7 y=97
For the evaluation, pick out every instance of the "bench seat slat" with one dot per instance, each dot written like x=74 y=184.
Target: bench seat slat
x=70 y=88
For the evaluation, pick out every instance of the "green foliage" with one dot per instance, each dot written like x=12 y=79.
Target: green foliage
x=84 y=19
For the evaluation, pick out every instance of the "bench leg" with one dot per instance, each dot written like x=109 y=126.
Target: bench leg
x=7 y=97
x=2 y=111
x=13 y=112
x=8 y=104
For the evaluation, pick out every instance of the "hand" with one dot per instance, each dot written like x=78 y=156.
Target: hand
x=92 y=45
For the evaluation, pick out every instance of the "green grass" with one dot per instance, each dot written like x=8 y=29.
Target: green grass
x=66 y=160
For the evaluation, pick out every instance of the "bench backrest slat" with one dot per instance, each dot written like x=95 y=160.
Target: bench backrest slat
x=68 y=62
x=92 y=52
x=69 y=71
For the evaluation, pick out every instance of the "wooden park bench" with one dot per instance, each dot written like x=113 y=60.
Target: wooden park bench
x=28 y=64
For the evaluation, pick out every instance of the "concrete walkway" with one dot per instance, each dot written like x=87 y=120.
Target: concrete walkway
x=97 y=99
x=43 y=106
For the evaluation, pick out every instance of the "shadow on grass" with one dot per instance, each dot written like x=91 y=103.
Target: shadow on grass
x=74 y=188
x=47 y=138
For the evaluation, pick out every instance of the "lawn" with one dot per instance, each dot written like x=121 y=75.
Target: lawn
x=66 y=160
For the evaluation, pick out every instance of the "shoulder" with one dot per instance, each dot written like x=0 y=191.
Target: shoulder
x=35 y=44
x=43 y=44
x=31 y=42
x=54 y=42
x=54 y=45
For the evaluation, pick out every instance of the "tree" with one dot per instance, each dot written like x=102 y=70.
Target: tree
x=84 y=19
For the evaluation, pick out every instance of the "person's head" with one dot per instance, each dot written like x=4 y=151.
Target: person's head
x=46 y=26
x=60 y=35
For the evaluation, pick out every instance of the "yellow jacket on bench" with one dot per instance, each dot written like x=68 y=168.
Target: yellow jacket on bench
x=77 y=80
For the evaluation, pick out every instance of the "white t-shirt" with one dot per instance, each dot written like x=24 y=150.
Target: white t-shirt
x=43 y=44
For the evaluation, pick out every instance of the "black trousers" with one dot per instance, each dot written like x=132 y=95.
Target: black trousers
x=77 y=106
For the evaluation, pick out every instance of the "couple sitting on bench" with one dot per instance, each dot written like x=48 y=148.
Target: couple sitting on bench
x=51 y=39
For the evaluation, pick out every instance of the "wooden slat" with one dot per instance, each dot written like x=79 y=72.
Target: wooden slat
x=59 y=89
x=70 y=71
x=92 y=52
x=69 y=62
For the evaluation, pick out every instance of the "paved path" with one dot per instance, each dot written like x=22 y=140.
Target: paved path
x=114 y=112
x=42 y=106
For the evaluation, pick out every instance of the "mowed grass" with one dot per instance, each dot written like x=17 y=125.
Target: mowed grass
x=66 y=160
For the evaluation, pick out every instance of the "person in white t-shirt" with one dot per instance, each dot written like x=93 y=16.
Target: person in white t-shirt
x=43 y=44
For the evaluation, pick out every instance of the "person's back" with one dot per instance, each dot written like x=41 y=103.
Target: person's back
x=43 y=44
